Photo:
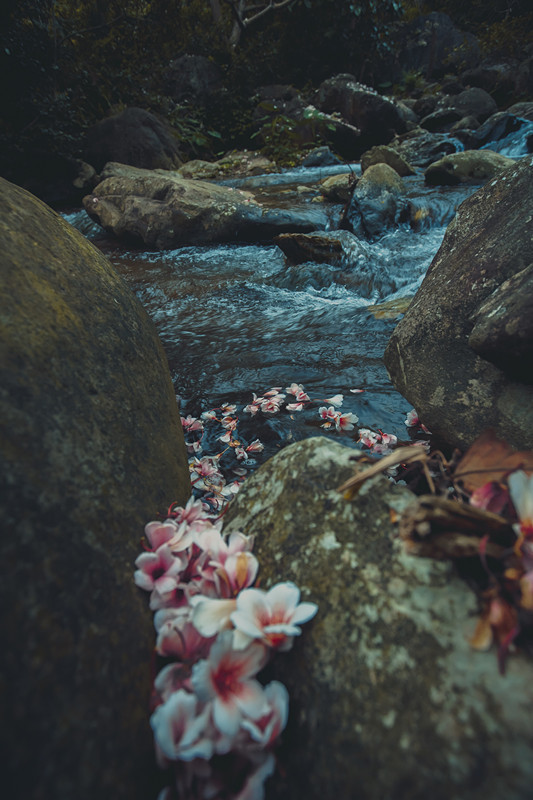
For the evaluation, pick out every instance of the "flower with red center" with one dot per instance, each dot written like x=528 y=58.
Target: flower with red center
x=272 y=617
x=345 y=422
x=226 y=679
x=412 y=420
x=158 y=571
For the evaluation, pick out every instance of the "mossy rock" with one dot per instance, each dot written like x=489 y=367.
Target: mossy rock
x=388 y=700
x=92 y=449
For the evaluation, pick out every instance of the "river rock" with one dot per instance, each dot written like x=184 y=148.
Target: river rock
x=340 y=248
x=163 y=210
x=376 y=202
x=474 y=102
x=524 y=110
x=237 y=164
x=457 y=393
x=470 y=166
x=440 y=120
x=421 y=148
x=381 y=154
x=376 y=116
x=92 y=449
x=135 y=137
x=496 y=127
x=387 y=698
x=503 y=326
x=338 y=188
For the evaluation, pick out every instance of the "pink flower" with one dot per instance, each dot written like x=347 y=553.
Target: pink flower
x=209 y=416
x=191 y=424
x=298 y=391
x=265 y=730
x=211 y=614
x=177 y=637
x=272 y=617
x=412 y=420
x=239 y=572
x=255 y=447
x=336 y=400
x=345 y=422
x=521 y=491
x=179 y=727
x=368 y=438
x=294 y=406
x=491 y=496
x=159 y=533
x=225 y=678
x=158 y=571
x=327 y=413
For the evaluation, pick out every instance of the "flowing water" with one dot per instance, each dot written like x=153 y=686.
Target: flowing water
x=236 y=319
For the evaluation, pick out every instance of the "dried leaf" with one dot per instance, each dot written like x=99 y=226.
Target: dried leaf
x=489 y=459
x=402 y=455
x=440 y=528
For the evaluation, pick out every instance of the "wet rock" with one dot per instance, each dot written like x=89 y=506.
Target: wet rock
x=496 y=127
x=376 y=202
x=163 y=210
x=473 y=102
x=503 y=326
x=523 y=110
x=382 y=154
x=421 y=148
x=470 y=166
x=191 y=77
x=340 y=248
x=457 y=393
x=238 y=164
x=387 y=699
x=377 y=117
x=320 y=157
x=92 y=449
x=440 y=120
x=338 y=188
x=135 y=137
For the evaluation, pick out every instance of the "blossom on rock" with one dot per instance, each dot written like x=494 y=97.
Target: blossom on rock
x=226 y=679
x=158 y=571
x=265 y=730
x=272 y=617
x=179 y=727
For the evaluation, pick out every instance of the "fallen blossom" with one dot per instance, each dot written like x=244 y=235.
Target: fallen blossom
x=271 y=617
x=226 y=679
x=179 y=727
x=337 y=400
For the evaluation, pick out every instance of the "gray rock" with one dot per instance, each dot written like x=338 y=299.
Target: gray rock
x=164 y=210
x=473 y=102
x=92 y=449
x=376 y=201
x=503 y=326
x=458 y=394
x=440 y=120
x=377 y=117
x=340 y=248
x=381 y=154
x=387 y=699
x=421 y=148
x=135 y=137
x=470 y=166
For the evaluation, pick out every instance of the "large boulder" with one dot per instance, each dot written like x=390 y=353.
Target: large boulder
x=457 y=393
x=377 y=117
x=163 y=210
x=470 y=166
x=135 y=137
x=387 y=698
x=376 y=202
x=474 y=102
x=92 y=449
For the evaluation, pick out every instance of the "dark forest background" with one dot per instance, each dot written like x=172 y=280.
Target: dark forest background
x=66 y=64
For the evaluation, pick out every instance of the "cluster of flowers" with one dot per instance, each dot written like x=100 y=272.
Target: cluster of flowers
x=216 y=631
x=206 y=474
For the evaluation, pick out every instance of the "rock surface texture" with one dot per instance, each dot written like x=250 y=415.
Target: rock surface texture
x=92 y=449
x=457 y=393
x=388 y=700
x=471 y=166
x=164 y=210
x=135 y=137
